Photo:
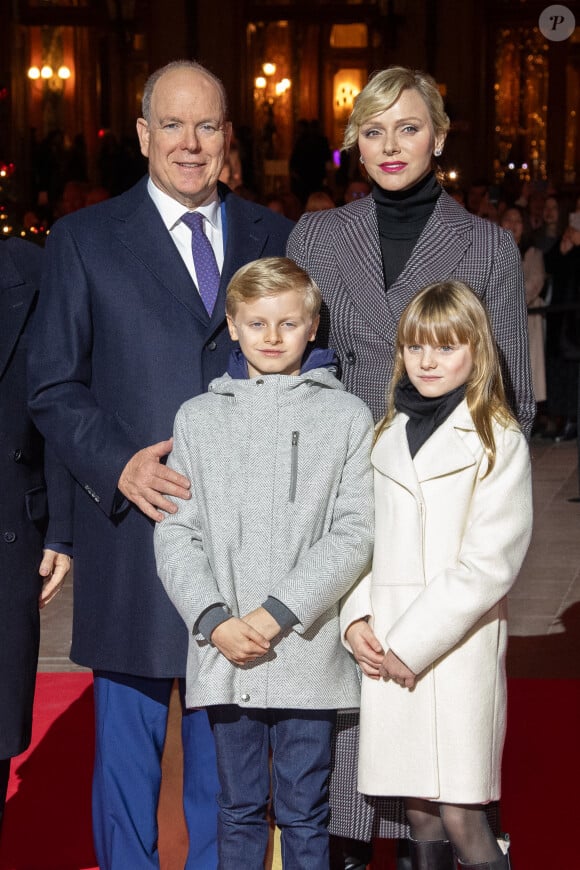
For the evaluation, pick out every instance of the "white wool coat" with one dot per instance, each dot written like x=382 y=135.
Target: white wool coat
x=281 y=506
x=448 y=547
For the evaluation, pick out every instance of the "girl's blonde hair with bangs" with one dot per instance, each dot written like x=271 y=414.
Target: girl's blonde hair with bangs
x=449 y=312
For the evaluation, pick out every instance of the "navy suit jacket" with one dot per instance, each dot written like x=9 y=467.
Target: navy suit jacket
x=123 y=340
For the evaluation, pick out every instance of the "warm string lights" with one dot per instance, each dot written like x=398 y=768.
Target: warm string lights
x=47 y=72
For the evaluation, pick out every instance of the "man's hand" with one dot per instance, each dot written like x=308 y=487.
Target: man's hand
x=366 y=647
x=238 y=641
x=146 y=482
x=263 y=622
x=55 y=567
x=392 y=668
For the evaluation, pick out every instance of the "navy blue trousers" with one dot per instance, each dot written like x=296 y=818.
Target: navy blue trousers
x=300 y=742
x=131 y=722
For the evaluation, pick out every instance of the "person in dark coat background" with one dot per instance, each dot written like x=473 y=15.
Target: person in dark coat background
x=29 y=578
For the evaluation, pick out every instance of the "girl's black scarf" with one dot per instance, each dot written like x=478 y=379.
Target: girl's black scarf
x=425 y=414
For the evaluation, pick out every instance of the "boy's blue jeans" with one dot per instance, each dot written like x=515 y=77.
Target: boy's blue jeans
x=300 y=741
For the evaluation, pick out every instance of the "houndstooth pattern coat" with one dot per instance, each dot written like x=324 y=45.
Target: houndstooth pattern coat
x=340 y=249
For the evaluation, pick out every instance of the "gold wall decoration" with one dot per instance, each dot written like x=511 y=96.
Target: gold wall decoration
x=521 y=98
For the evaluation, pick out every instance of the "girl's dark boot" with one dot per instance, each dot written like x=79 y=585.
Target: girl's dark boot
x=431 y=855
x=502 y=863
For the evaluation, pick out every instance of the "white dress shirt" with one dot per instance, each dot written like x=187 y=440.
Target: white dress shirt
x=171 y=212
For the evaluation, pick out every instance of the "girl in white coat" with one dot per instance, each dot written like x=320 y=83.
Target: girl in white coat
x=428 y=626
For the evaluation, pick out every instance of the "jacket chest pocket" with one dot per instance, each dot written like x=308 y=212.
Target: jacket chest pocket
x=293 y=466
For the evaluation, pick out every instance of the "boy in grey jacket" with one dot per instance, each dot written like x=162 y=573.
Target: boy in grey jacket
x=278 y=528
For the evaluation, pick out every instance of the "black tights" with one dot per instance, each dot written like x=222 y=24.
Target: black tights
x=465 y=826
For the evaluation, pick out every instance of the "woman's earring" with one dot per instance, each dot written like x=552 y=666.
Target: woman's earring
x=361 y=159
x=438 y=152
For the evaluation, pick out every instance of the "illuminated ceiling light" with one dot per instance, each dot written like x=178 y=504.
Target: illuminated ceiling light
x=260 y=82
x=269 y=68
x=64 y=72
x=46 y=72
x=33 y=73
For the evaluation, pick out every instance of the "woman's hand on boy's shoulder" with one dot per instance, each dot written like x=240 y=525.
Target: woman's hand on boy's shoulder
x=366 y=647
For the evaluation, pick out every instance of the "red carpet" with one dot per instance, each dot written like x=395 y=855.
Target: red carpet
x=47 y=822
x=541 y=773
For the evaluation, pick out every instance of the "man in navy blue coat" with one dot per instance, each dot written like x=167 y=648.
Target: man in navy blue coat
x=124 y=338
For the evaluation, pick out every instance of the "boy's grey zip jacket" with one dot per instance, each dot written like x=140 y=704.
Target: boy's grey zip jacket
x=282 y=508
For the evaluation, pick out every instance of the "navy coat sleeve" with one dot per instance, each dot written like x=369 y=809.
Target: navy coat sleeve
x=91 y=441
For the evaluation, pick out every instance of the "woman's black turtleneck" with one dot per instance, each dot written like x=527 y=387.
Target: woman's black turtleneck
x=401 y=216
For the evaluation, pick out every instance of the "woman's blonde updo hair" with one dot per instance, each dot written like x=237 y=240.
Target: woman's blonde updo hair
x=384 y=89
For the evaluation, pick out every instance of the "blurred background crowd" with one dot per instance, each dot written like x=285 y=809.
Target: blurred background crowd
x=544 y=221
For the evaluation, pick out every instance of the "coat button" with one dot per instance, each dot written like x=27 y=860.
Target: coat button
x=351 y=357
x=17 y=455
x=9 y=537
x=245 y=697
x=212 y=345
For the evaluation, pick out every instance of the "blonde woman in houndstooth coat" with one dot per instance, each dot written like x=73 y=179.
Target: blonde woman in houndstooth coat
x=369 y=259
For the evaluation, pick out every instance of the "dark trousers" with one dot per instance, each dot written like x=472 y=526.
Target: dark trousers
x=300 y=742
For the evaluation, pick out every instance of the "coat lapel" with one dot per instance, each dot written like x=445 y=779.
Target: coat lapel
x=140 y=228
x=246 y=238
x=391 y=456
x=16 y=300
x=439 y=249
x=447 y=451
x=358 y=254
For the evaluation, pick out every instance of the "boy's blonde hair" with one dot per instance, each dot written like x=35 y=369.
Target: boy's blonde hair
x=384 y=89
x=269 y=277
x=449 y=312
